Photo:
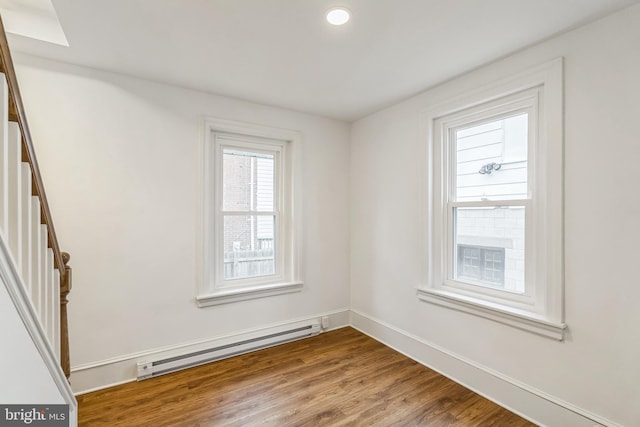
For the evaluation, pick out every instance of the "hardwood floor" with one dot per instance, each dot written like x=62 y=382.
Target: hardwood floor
x=339 y=378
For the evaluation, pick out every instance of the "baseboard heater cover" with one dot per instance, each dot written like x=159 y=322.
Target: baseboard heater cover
x=150 y=369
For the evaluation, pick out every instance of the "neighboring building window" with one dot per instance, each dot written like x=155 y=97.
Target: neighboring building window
x=496 y=218
x=249 y=248
x=477 y=264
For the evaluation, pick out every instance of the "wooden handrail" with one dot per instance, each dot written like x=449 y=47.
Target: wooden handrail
x=28 y=153
x=17 y=114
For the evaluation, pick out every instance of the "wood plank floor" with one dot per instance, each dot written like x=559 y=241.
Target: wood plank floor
x=339 y=378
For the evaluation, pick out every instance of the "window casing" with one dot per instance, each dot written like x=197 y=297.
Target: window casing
x=249 y=240
x=496 y=185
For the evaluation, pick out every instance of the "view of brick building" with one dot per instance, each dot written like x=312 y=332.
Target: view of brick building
x=248 y=186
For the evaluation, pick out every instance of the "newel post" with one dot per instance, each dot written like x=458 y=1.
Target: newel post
x=65 y=288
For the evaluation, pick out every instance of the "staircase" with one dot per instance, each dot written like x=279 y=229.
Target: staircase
x=33 y=269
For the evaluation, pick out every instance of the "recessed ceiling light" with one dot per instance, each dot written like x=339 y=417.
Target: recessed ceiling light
x=338 y=16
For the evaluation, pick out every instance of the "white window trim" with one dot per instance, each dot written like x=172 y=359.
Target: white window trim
x=288 y=276
x=545 y=316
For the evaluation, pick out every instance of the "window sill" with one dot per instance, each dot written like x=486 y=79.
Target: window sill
x=241 y=294
x=496 y=312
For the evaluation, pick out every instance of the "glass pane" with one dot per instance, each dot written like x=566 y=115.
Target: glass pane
x=491 y=160
x=489 y=247
x=248 y=181
x=249 y=246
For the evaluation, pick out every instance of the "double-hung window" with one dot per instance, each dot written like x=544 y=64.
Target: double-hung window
x=495 y=225
x=250 y=209
x=249 y=239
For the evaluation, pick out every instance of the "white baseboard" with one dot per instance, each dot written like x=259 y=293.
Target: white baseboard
x=531 y=404
x=534 y=405
x=123 y=369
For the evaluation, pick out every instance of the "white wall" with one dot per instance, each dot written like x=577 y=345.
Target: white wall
x=25 y=376
x=121 y=159
x=595 y=370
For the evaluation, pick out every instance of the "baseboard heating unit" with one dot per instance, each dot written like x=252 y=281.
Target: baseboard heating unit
x=223 y=350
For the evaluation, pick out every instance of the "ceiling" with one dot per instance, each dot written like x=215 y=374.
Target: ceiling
x=283 y=52
x=32 y=18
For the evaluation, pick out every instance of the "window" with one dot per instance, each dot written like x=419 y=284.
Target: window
x=250 y=214
x=496 y=204
x=249 y=243
x=489 y=198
